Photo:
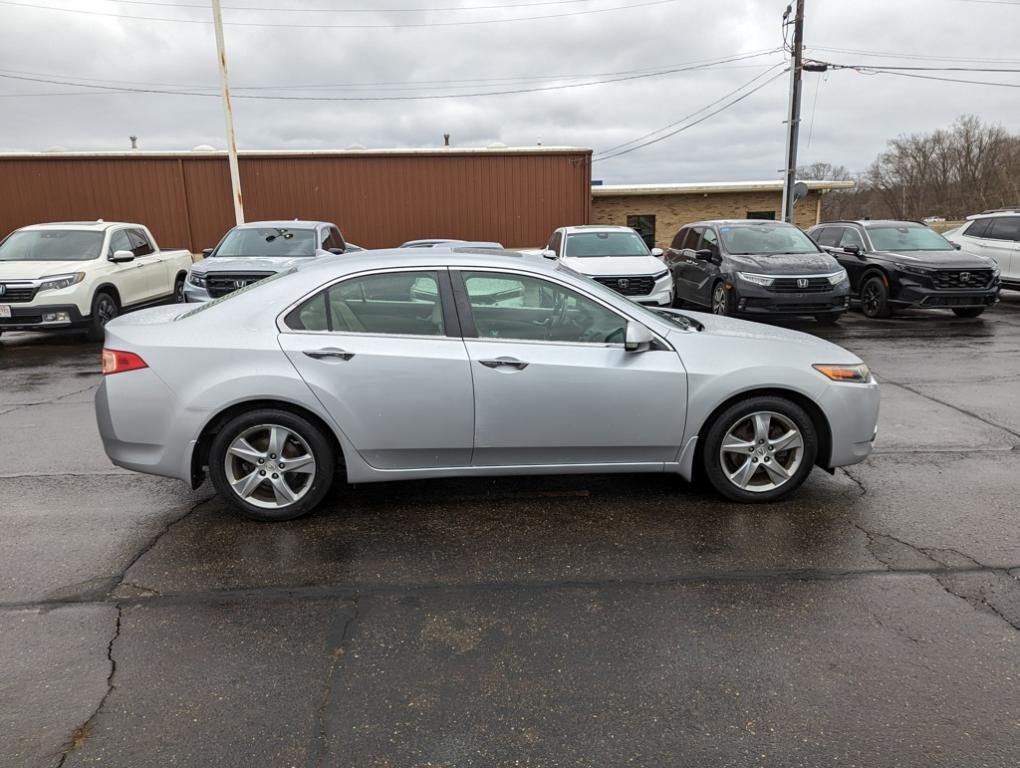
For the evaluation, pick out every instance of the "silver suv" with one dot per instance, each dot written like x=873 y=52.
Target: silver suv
x=995 y=234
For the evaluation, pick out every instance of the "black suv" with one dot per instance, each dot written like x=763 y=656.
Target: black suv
x=900 y=264
x=755 y=267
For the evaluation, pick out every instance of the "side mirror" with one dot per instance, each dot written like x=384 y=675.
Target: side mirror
x=206 y=253
x=549 y=253
x=335 y=250
x=120 y=257
x=703 y=254
x=853 y=250
x=638 y=338
x=657 y=253
x=957 y=246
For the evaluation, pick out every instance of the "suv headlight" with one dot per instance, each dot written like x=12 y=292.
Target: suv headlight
x=920 y=271
x=56 y=282
x=196 y=279
x=660 y=275
x=852 y=373
x=837 y=277
x=762 y=280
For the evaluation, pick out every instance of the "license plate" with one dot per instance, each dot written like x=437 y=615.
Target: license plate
x=5 y=310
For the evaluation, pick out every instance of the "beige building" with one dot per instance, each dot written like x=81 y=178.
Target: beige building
x=658 y=211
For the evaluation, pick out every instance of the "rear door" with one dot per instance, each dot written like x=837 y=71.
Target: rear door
x=383 y=354
x=553 y=383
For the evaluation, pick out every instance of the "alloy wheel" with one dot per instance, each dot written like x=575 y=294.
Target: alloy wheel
x=761 y=451
x=719 y=300
x=106 y=310
x=179 y=292
x=269 y=466
x=871 y=300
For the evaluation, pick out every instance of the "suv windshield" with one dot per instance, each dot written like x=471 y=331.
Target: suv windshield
x=267 y=241
x=907 y=238
x=51 y=245
x=588 y=244
x=765 y=240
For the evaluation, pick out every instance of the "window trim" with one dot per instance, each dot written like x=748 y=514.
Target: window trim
x=451 y=323
x=469 y=327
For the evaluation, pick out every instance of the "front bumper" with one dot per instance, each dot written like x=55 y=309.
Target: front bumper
x=911 y=294
x=661 y=297
x=750 y=299
x=42 y=317
x=195 y=295
x=852 y=413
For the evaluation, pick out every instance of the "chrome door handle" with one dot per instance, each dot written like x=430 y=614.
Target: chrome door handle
x=329 y=353
x=505 y=362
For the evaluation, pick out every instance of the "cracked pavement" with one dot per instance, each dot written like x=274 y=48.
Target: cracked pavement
x=871 y=620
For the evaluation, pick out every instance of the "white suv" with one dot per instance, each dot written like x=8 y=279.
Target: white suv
x=995 y=234
x=83 y=274
x=617 y=257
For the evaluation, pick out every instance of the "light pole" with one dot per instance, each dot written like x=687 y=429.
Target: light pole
x=228 y=113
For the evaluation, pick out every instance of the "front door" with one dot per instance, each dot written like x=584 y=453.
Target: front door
x=553 y=383
x=133 y=278
x=386 y=360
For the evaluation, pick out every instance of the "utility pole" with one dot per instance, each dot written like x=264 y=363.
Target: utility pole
x=228 y=112
x=793 y=117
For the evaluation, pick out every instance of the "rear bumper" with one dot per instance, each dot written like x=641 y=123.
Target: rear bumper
x=43 y=318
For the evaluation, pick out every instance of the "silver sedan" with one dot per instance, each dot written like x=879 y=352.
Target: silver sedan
x=401 y=364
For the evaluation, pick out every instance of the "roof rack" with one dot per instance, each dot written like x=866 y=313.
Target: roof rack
x=1010 y=209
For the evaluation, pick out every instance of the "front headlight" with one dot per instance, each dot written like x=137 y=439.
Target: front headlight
x=196 y=279
x=56 y=282
x=837 y=277
x=763 y=280
x=660 y=275
x=920 y=271
x=851 y=373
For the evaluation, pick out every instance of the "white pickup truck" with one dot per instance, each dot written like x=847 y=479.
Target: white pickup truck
x=84 y=274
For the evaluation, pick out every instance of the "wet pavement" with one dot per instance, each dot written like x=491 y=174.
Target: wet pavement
x=873 y=619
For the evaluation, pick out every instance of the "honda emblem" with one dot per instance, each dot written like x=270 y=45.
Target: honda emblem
x=802 y=282
x=965 y=277
x=623 y=284
x=240 y=283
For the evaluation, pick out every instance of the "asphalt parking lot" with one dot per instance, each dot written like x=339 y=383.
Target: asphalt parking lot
x=568 y=621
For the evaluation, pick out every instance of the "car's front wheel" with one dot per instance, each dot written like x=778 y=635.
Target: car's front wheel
x=875 y=298
x=722 y=303
x=272 y=465
x=760 y=449
x=104 y=309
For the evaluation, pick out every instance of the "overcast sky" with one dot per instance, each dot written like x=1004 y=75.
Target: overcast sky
x=847 y=117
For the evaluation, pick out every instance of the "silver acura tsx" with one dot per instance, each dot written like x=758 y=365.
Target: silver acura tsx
x=401 y=364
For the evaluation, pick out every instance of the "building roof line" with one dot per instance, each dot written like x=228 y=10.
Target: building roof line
x=290 y=153
x=694 y=188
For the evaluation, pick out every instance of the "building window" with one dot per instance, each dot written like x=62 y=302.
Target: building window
x=769 y=215
x=644 y=225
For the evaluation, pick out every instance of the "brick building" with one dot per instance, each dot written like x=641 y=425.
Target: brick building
x=657 y=211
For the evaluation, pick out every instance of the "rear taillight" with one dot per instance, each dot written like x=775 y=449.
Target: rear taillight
x=116 y=361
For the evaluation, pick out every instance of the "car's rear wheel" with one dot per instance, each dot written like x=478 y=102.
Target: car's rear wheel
x=722 y=303
x=104 y=309
x=761 y=449
x=968 y=311
x=272 y=465
x=875 y=298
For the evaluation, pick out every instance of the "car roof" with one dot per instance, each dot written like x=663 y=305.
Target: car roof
x=737 y=222
x=597 y=228
x=429 y=242
x=280 y=224
x=866 y=223
x=82 y=226
x=994 y=213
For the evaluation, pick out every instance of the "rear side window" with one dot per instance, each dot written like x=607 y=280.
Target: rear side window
x=1004 y=228
x=395 y=303
x=140 y=244
x=977 y=228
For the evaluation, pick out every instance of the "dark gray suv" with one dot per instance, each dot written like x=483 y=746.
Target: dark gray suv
x=756 y=267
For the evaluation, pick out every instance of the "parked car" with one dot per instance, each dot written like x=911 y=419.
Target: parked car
x=756 y=267
x=561 y=376
x=83 y=274
x=900 y=264
x=996 y=235
x=254 y=251
x=617 y=257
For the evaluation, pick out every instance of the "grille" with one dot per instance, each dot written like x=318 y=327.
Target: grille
x=15 y=294
x=629 y=286
x=944 y=279
x=794 y=308
x=952 y=301
x=223 y=283
x=789 y=285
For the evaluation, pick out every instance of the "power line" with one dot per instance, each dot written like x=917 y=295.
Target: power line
x=691 y=125
x=269 y=97
x=909 y=56
x=933 y=77
x=643 y=4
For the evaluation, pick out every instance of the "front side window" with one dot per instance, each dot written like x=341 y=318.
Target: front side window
x=710 y=242
x=765 y=240
x=509 y=306
x=693 y=240
x=593 y=244
x=51 y=245
x=119 y=241
x=827 y=236
x=267 y=241
x=851 y=237
x=907 y=238
x=396 y=303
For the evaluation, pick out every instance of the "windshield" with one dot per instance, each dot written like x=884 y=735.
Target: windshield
x=51 y=245
x=765 y=240
x=267 y=241
x=590 y=244
x=907 y=238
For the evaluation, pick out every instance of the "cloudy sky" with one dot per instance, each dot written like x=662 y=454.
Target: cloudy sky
x=667 y=61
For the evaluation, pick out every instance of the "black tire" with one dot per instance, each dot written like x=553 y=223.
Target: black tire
x=721 y=301
x=313 y=486
x=829 y=318
x=104 y=309
x=178 y=291
x=968 y=311
x=875 y=298
x=738 y=417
